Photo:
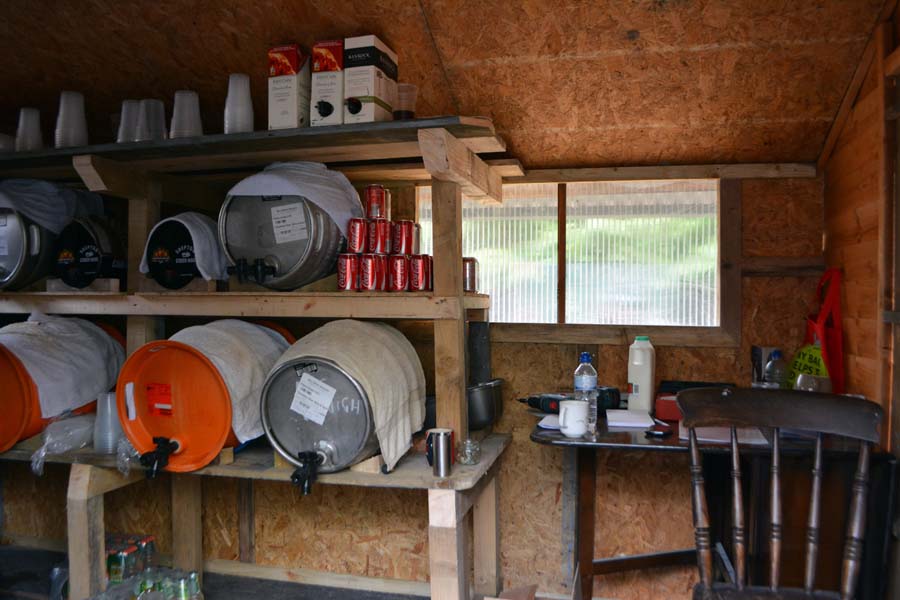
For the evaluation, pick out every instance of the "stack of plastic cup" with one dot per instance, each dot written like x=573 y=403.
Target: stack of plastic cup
x=151 y=121
x=71 y=123
x=186 y=115
x=28 y=133
x=107 y=427
x=128 y=121
x=238 y=104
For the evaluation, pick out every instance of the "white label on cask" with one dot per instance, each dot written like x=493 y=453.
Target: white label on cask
x=312 y=398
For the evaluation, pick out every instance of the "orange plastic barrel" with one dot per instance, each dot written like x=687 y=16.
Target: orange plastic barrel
x=22 y=407
x=171 y=390
x=22 y=417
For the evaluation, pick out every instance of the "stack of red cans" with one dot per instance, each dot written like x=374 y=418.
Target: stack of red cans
x=383 y=255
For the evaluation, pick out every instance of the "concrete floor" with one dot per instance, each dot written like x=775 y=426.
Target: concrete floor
x=25 y=574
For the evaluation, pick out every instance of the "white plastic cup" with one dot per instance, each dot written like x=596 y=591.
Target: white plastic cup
x=7 y=143
x=28 y=133
x=151 y=121
x=107 y=427
x=71 y=123
x=238 y=104
x=186 y=115
x=128 y=121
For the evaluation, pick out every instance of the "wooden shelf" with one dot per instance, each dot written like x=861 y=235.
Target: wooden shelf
x=412 y=472
x=358 y=305
x=352 y=144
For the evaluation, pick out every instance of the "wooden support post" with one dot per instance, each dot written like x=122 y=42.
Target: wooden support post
x=84 y=515
x=246 y=512
x=448 y=159
x=449 y=334
x=187 y=523
x=447 y=546
x=486 y=533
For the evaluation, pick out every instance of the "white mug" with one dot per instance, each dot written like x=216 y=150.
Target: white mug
x=573 y=418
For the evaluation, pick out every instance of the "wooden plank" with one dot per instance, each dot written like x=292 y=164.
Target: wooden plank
x=246 y=516
x=447 y=547
x=587 y=481
x=713 y=171
x=242 y=304
x=847 y=102
x=616 y=335
x=85 y=529
x=187 y=522
x=54 y=284
x=448 y=159
x=561 y=253
x=782 y=266
x=449 y=334
x=416 y=172
x=343 y=143
x=393 y=587
x=730 y=254
x=892 y=64
x=486 y=534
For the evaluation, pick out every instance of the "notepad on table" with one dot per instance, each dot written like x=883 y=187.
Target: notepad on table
x=628 y=418
x=549 y=422
x=722 y=435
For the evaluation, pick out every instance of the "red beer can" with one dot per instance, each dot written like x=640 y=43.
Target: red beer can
x=418 y=273
x=348 y=272
x=356 y=236
x=379 y=236
x=430 y=272
x=417 y=237
x=372 y=272
x=377 y=202
x=402 y=237
x=398 y=273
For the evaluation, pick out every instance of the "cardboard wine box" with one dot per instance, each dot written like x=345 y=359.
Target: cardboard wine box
x=370 y=80
x=289 y=83
x=327 y=100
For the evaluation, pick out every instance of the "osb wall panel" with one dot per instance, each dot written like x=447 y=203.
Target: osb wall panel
x=33 y=507
x=772 y=208
x=852 y=197
x=569 y=84
x=220 y=518
x=143 y=507
x=359 y=531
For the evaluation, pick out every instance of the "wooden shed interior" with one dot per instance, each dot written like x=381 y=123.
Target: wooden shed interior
x=791 y=106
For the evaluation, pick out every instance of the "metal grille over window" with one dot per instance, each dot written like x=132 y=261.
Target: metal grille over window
x=642 y=253
x=516 y=247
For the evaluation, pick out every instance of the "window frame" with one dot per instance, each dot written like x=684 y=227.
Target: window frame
x=726 y=335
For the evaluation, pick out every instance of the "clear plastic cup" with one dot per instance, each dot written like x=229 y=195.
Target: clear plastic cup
x=151 y=122
x=238 y=104
x=128 y=121
x=405 y=107
x=107 y=427
x=71 y=123
x=186 y=115
x=28 y=133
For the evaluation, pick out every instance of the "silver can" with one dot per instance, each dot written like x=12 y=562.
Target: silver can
x=470 y=274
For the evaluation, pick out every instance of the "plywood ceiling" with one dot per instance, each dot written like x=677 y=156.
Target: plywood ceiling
x=576 y=83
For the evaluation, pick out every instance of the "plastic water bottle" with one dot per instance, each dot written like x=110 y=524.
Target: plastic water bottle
x=586 y=389
x=776 y=369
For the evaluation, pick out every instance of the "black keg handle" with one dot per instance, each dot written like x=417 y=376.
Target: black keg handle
x=261 y=270
x=239 y=268
x=304 y=475
x=157 y=459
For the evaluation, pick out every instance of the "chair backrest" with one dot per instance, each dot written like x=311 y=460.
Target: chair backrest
x=781 y=409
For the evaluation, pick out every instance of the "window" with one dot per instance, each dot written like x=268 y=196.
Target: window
x=636 y=253
x=642 y=253
x=516 y=247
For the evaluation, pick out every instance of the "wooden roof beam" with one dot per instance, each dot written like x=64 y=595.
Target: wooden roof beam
x=448 y=159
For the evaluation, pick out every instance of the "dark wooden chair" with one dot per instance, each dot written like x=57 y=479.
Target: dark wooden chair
x=820 y=414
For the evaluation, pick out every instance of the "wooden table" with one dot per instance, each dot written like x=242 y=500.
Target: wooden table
x=450 y=499
x=878 y=520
